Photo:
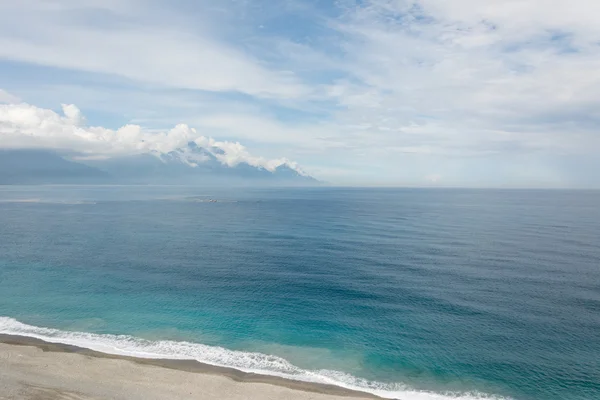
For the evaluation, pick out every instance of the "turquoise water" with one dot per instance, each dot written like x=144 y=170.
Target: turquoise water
x=412 y=294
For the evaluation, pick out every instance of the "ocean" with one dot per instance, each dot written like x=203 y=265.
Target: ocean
x=404 y=293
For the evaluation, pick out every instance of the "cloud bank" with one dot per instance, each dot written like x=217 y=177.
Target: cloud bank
x=494 y=92
x=26 y=126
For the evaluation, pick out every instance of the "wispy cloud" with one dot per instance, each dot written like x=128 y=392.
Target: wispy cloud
x=132 y=43
x=473 y=78
x=481 y=90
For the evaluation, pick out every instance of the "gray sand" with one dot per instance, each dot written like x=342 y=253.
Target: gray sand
x=35 y=370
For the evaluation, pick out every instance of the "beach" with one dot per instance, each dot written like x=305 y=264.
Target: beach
x=37 y=370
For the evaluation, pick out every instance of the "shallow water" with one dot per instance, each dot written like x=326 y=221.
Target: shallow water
x=402 y=292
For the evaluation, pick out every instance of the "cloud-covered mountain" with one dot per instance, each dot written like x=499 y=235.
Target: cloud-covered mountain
x=189 y=165
x=62 y=148
x=193 y=164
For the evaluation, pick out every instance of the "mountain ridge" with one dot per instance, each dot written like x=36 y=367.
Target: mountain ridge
x=191 y=164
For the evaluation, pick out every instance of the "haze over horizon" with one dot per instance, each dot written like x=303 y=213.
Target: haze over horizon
x=458 y=93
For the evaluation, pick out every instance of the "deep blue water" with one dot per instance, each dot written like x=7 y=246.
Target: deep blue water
x=393 y=290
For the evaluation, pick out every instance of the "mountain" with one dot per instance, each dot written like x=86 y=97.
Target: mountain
x=42 y=166
x=191 y=164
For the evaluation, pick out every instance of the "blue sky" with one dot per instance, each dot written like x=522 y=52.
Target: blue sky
x=500 y=93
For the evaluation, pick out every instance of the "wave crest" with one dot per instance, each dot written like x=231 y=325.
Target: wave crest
x=259 y=363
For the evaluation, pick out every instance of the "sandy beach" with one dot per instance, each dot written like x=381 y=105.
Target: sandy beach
x=36 y=370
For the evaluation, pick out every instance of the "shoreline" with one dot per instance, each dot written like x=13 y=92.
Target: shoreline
x=190 y=366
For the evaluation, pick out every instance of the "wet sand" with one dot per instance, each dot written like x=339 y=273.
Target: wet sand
x=32 y=369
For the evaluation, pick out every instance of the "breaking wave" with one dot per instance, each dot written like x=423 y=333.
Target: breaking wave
x=259 y=363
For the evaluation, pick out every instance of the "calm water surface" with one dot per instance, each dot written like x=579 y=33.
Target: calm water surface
x=401 y=292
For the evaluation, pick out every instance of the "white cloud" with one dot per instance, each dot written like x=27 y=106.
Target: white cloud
x=373 y=90
x=233 y=153
x=136 y=45
x=26 y=126
x=462 y=77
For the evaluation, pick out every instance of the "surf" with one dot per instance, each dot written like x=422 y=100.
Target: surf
x=251 y=362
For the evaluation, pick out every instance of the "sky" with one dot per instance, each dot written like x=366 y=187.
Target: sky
x=469 y=93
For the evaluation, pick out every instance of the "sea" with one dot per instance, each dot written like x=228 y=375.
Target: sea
x=403 y=293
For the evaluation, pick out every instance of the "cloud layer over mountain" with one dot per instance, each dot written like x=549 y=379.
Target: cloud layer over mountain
x=473 y=92
x=26 y=126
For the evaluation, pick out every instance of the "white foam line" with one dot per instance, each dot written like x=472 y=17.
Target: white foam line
x=218 y=356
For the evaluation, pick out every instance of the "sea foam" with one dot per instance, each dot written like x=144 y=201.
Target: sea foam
x=259 y=363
